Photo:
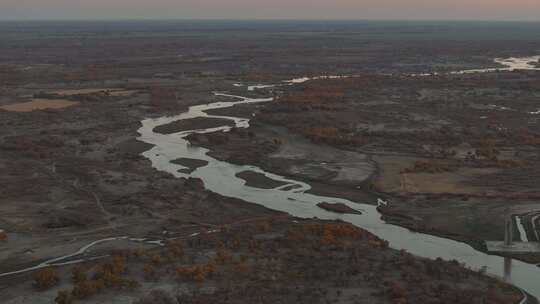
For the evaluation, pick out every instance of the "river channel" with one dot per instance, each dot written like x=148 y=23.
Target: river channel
x=292 y=198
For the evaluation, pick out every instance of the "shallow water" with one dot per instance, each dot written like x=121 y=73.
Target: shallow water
x=220 y=177
x=509 y=65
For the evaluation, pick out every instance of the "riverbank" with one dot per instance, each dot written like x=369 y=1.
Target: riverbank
x=295 y=200
x=274 y=256
x=463 y=159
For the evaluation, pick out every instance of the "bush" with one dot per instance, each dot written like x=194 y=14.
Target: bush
x=198 y=272
x=46 y=278
x=176 y=250
x=64 y=297
x=149 y=272
x=86 y=289
x=79 y=274
x=107 y=275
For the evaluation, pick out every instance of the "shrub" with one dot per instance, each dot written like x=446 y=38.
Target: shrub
x=198 y=272
x=156 y=259
x=64 y=297
x=78 y=274
x=328 y=238
x=149 y=272
x=3 y=236
x=176 y=249
x=86 y=289
x=107 y=275
x=110 y=271
x=277 y=141
x=46 y=278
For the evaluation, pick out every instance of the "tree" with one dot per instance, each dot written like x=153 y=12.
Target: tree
x=149 y=272
x=87 y=289
x=78 y=274
x=46 y=278
x=64 y=297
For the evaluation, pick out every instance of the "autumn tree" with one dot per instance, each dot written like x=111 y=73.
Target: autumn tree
x=46 y=278
x=3 y=236
x=78 y=274
x=64 y=297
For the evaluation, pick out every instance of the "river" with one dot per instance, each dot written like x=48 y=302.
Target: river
x=220 y=177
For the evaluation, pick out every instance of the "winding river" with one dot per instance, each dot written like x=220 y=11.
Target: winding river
x=220 y=177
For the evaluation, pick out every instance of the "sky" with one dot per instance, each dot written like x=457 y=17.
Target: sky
x=272 y=9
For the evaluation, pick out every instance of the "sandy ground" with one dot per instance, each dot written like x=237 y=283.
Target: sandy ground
x=334 y=165
x=258 y=180
x=108 y=91
x=39 y=104
x=191 y=124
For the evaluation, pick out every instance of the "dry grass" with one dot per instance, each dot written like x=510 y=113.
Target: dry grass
x=39 y=104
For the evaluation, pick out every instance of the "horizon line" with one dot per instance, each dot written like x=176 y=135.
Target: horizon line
x=97 y=19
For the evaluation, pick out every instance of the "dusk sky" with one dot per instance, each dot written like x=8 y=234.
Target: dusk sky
x=272 y=9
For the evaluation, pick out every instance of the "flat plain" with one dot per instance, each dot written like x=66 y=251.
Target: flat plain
x=453 y=155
